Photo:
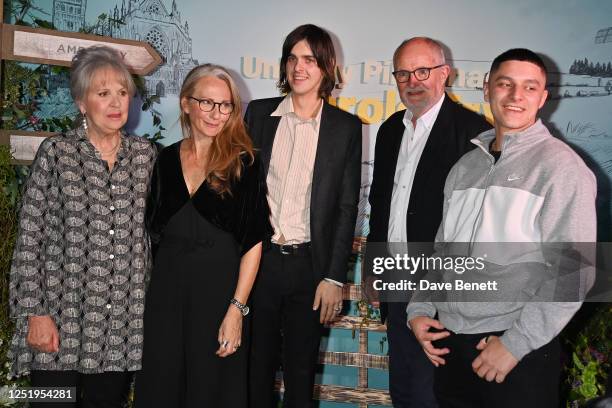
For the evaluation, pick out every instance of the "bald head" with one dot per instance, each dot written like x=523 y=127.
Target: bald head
x=425 y=55
x=435 y=48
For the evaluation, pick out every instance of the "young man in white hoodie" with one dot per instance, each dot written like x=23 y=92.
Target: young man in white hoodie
x=521 y=185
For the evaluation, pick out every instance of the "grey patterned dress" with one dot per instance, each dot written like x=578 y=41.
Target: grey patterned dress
x=82 y=255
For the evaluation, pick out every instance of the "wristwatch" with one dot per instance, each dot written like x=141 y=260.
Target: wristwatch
x=244 y=309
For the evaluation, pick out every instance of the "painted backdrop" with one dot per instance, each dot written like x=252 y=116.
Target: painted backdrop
x=574 y=37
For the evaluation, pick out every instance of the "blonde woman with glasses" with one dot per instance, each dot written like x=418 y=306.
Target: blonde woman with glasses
x=207 y=218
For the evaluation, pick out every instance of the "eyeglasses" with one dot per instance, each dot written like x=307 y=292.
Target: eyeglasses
x=207 y=105
x=421 y=74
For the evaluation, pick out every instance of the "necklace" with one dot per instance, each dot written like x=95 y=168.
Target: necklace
x=112 y=150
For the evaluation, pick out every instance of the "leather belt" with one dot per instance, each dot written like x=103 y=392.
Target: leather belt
x=292 y=249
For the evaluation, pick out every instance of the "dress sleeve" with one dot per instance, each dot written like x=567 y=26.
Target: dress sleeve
x=252 y=212
x=28 y=273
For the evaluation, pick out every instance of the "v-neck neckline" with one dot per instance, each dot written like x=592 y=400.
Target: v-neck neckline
x=182 y=175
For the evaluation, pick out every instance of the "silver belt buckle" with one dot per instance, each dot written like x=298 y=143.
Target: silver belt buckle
x=286 y=249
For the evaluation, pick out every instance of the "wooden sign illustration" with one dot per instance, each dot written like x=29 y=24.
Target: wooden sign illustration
x=23 y=144
x=43 y=46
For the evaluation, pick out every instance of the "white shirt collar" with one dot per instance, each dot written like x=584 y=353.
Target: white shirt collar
x=428 y=118
x=286 y=108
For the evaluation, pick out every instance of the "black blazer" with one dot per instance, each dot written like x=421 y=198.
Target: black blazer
x=335 y=182
x=448 y=140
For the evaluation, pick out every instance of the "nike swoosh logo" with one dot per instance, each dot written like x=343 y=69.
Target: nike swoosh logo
x=514 y=178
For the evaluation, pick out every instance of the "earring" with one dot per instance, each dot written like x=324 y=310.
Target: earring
x=85 y=121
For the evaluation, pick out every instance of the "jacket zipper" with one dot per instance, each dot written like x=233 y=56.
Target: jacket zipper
x=453 y=305
x=486 y=189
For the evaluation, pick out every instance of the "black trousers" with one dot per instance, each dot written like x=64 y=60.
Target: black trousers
x=533 y=383
x=411 y=374
x=105 y=390
x=284 y=329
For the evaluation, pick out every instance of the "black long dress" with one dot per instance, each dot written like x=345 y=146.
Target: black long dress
x=198 y=242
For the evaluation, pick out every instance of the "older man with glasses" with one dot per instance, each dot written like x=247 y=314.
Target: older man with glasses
x=415 y=150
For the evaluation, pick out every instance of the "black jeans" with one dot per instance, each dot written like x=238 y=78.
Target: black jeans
x=411 y=374
x=105 y=390
x=533 y=383
x=282 y=303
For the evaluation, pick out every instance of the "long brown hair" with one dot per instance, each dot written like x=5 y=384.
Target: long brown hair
x=233 y=142
x=322 y=48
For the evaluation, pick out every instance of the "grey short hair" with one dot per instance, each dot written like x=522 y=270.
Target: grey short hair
x=89 y=60
x=433 y=44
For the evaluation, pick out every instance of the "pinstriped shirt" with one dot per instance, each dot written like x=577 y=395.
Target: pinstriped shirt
x=290 y=173
x=82 y=254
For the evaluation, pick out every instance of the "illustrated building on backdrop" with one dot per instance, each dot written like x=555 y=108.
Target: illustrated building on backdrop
x=141 y=20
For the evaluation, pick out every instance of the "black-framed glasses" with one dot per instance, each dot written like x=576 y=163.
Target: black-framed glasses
x=421 y=74
x=207 y=105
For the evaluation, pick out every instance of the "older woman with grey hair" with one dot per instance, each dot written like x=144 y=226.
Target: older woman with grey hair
x=77 y=279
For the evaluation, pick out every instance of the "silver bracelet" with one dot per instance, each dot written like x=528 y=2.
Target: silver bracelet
x=244 y=309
